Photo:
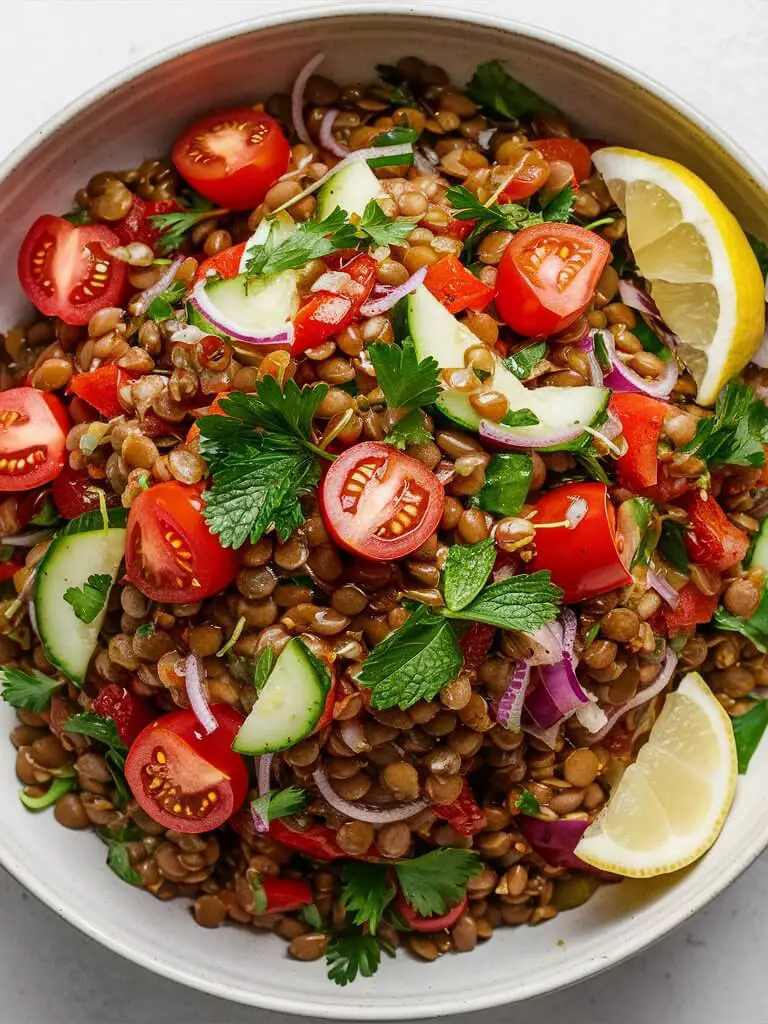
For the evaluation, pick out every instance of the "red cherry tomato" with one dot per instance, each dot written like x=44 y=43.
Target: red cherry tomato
x=170 y=554
x=571 y=150
x=284 y=894
x=225 y=264
x=641 y=421
x=712 y=540
x=464 y=814
x=456 y=287
x=584 y=560
x=66 y=270
x=417 y=923
x=186 y=779
x=530 y=177
x=455 y=228
x=317 y=842
x=547 y=277
x=130 y=713
x=74 y=493
x=233 y=157
x=101 y=389
x=33 y=431
x=475 y=643
x=137 y=225
x=379 y=503
x=693 y=609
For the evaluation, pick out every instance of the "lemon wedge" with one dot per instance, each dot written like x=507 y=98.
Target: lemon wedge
x=669 y=806
x=702 y=272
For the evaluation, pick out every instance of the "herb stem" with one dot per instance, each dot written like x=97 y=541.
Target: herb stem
x=600 y=222
x=331 y=433
x=319 y=451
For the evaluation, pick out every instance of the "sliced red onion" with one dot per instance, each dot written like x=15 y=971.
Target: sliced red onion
x=277 y=337
x=188 y=335
x=622 y=378
x=263 y=775
x=547 y=643
x=193 y=675
x=26 y=540
x=634 y=297
x=510 y=437
x=587 y=345
x=358 y=812
x=664 y=589
x=444 y=472
x=509 y=709
x=375 y=307
x=555 y=841
x=141 y=302
x=422 y=165
x=642 y=696
x=327 y=139
x=430 y=153
x=569 y=624
x=556 y=696
x=297 y=97
x=351 y=730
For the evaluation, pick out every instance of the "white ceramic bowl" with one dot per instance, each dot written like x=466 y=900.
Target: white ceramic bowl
x=138 y=114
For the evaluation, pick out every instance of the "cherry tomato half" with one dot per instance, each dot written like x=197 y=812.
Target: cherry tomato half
x=186 y=779
x=641 y=420
x=137 y=225
x=33 y=431
x=547 y=277
x=379 y=503
x=584 y=560
x=233 y=157
x=74 y=493
x=170 y=554
x=67 y=272
x=130 y=713
x=101 y=389
x=571 y=150
x=429 y=924
x=712 y=540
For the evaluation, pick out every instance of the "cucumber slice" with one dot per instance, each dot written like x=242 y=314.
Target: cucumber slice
x=436 y=332
x=81 y=550
x=289 y=706
x=758 y=555
x=352 y=189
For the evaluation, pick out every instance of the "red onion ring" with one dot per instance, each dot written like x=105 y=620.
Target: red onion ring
x=263 y=774
x=27 y=540
x=142 y=301
x=278 y=337
x=351 y=730
x=622 y=378
x=547 y=643
x=327 y=140
x=664 y=589
x=193 y=677
x=641 y=697
x=373 y=815
x=634 y=297
x=587 y=345
x=510 y=437
x=297 y=97
x=509 y=708
x=375 y=307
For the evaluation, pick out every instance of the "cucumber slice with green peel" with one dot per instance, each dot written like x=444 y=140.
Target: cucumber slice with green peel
x=639 y=528
x=757 y=557
x=352 y=189
x=244 y=308
x=82 y=550
x=436 y=332
x=289 y=705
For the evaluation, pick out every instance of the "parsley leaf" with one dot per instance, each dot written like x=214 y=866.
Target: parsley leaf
x=89 y=600
x=95 y=727
x=561 y=207
x=755 y=628
x=119 y=862
x=494 y=89
x=367 y=892
x=735 y=435
x=145 y=629
x=263 y=668
x=466 y=572
x=527 y=803
x=174 y=226
x=279 y=803
x=409 y=430
x=413 y=663
x=523 y=363
x=760 y=249
x=504 y=216
x=522 y=602
x=672 y=545
x=278 y=411
x=379 y=229
x=28 y=691
x=407 y=381
x=313 y=240
x=352 y=953
x=507 y=479
x=161 y=307
x=520 y=418
x=748 y=730
x=433 y=883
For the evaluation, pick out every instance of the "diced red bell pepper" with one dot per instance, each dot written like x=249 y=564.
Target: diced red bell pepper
x=361 y=269
x=456 y=287
x=712 y=540
x=129 y=713
x=225 y=264
x=284 y=894
x=464 y=814
x=475 y=643
x=641 y=419
x=322 y=315
x=100 y=388
x=693 y=609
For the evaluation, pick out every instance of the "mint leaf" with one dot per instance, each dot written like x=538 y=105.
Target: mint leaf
x=27 y=690
x=437 y=881
x=748 y=730
x=409 y=430
x=507 y=480
x=492 y=87
x=523 y=363
x=407 y=381
x=522 y=602
x=672 y=545
x=367 y=892
x=466 y=572
x=520 y=418
x=89 y=600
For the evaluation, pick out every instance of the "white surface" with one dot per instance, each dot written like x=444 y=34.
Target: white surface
x=711 y=969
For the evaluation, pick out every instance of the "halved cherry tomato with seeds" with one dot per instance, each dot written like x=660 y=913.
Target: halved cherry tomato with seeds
x=66 y=271
x=170 y=554
x=572 y=151
x=33 y=431
x=417 y=923
x=186 y=779
x=547 y=277
x=379 y=503
x=101 y=389
x=233 y=157
x=74 y=493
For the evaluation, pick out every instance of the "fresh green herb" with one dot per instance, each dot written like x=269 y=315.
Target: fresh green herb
x=47 y=514
x=260 y=901
x=102 y=730
x=591 y=634
x=174 y=226
x=57 y=788
x=7 y=553
x=736 y=433
x=522 y=602
x=650 y=340
x=601 y=352
x=436 y=881
x=409 y=430
x=672 y=545
x=760 y=249
x=638 y=523
x=601 y=222
x=413 y=663
x=493 y=88
x=28 y=691
x=561 y=207
x=263 y=668
x=367 y=892
x=523 y=363
x=312 y=916
x=89 y=600
x=407 y=381
x=390 y=74
x=496 y=217
x=233 y=638
x=748 y=730
x=507 y=481
x=466 y=572
x=591 y=467
x=755 y=628
x=520 y=418
x=352 y=953
x=120 y=862
x=401 y=95
x=397 y=136
x=379 y=229
x=279 y=803
x=145 y=629
x=313 y=240
x=161 y=307
x=77 y=217
x=527 y=803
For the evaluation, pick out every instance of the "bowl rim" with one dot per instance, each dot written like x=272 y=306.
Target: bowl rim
x=573 y=972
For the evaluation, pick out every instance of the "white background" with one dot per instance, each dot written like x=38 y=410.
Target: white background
x=713 y=53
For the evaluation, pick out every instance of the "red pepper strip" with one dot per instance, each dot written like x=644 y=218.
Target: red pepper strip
x=429 y=924
x=475 y=643
x=693 y=609
x=100 y=388
x=463 y=814
x=317 y=842
x=129 y=713
x=284 y=894
x=713 y=540
x=456 y=287
x=322 y=315
x=641 y=420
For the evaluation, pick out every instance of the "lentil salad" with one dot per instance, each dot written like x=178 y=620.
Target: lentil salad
x=398 y=798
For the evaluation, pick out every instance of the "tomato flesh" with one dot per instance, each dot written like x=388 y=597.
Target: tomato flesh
x=464 y=814
x=456 y=287
x=74 y=493
x=130 y=713
x=531 y=174
x=317 y=842
x=101 y=389
x=225 y=264
x=33 y=430
x=170 y=554
x=547 y=277
x=572 y=151
x=137 y=225
x=284 y=894
x=712 y=540
x=417 y=923
x=67 y=272
x=584 y=560
x=184 y=779
x=233 y=157
x=379 y=503
x=693 y=609
x=641 y=420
